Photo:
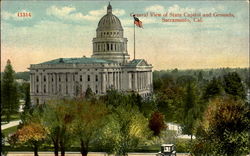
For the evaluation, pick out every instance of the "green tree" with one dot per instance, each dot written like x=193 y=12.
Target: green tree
x=57 y=119
x=27 y=104
x=89 y=94
x=200 y=76
x=224 y=129
x=191 y=110
x=213 y=88
x=9 y=94
x=233 y=85
x=127 y=128
x=88 y=122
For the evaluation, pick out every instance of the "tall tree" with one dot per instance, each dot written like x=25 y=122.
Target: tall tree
x=200 y=76
x=27 y=104
x=9 y=94
x=233 y=85
x=191 y=110
x=57 y=119
x=213 y=88
x=156 y=123
x=127 y=128
x=89 y=120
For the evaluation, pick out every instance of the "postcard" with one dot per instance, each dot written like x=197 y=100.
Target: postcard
x=124 y=77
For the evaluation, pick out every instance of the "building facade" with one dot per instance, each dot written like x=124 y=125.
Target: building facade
x=108 y=68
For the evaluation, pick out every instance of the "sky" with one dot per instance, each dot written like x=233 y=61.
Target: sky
x=62 y=29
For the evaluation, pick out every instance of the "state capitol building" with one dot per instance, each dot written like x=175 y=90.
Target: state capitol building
x=109 y=67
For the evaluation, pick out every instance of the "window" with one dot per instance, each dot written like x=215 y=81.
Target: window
x=81 y=78
x=66 y=78
x=88 y=77
x=44 y=78
x=52 y=79
x=111 y=46
x=96 y=78
x=96 y=89
x=73 y=77
x=44 y=89
x=66 y=89
x=108 y=47
x=37 y=89
x=37 y=78
x=59 y=78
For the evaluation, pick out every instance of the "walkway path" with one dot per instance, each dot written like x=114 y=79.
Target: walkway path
x=89 y=154
x=10 y=124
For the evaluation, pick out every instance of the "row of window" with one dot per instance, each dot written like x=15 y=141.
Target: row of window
x=59 y=79
x=105 y=34
x=60 y=89
x=109 y=47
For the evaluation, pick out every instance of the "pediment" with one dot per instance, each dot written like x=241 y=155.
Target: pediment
x=142 y=63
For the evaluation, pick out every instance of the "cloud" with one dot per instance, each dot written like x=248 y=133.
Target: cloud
x=177 y=9
x=70 y=13
x=101 y=12
x=155 y=8
x=14 y=16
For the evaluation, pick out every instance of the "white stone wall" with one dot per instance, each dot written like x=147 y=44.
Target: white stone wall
x=69 y=80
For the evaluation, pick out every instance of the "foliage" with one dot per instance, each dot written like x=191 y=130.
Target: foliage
x=88 y=122
x=213 y=89
x=191 y=110
x=57 y=119
x=126 y=127
x=23 y=75
x=233 y=85
x=182 y=145
x=224 y=129
x=156 y=123
x=89 y=93
x=32 y=134
x=27 y=104
x=166 y=137
x=9 y=93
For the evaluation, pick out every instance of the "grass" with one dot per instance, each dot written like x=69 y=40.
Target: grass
x=10 y=130
x=12 y=117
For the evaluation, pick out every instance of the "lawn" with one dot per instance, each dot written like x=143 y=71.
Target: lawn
x=10 y=130
x=12 y=118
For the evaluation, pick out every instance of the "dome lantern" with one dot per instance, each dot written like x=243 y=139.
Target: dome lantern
x=109 y=9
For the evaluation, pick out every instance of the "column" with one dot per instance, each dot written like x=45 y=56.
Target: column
x=40 y=82
x=103 y=83
x=31 y=83
x=118 y=84
x=47 y=83
x=135 y=80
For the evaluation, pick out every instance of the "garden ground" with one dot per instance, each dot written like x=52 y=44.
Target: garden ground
x=89 y=154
